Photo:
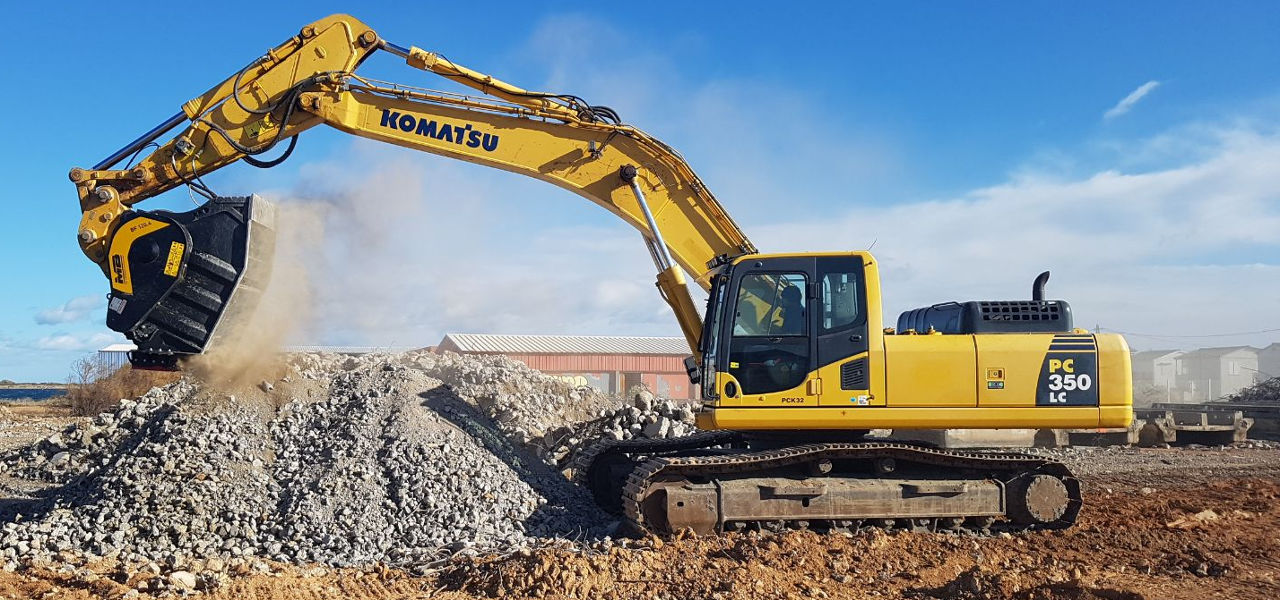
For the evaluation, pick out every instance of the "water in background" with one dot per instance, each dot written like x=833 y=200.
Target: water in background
x=7 y=394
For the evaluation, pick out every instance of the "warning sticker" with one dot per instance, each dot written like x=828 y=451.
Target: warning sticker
x=175 y=259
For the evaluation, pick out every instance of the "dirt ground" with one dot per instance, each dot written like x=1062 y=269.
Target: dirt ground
x=22 y=423
x=1173 y=523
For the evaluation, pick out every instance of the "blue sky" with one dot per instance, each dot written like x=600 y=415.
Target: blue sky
x=972 y=144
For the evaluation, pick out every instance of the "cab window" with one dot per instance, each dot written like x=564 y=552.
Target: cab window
x=839 y=300
x=771 y=304
x=769 y=350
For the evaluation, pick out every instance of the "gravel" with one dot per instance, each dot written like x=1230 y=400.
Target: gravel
x=1107 y=468
x=401 y=459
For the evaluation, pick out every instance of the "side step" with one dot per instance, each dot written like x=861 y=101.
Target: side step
x=724 y=504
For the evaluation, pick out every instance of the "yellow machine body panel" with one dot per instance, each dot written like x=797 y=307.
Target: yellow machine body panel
x=826 y=419
x=930 y=370
x=867 y=392
x=806 y=394
x=1115 y=373
x=1009 y=365
x=1060 y=366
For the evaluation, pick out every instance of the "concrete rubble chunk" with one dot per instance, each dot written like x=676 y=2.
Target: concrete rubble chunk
x=644 y=400
x=183 y=580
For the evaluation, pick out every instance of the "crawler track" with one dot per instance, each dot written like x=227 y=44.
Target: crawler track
x=592 y=468
x=721 y=485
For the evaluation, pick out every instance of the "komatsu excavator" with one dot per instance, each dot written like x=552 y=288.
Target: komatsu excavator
x=792 y=359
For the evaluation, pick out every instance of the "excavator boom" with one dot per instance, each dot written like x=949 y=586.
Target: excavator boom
x=310 y=80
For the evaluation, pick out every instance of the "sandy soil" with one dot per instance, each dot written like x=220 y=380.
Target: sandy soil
x=1158 y=524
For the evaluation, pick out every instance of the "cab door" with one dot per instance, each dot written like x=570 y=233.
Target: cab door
x=843 y=359
x=771 y=349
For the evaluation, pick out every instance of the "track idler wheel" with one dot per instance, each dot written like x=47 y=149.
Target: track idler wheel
x=1038 y=500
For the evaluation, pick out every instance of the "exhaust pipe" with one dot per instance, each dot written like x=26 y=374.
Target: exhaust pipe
x=1037 y=288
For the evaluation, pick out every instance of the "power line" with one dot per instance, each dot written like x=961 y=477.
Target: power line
x=1207 y=335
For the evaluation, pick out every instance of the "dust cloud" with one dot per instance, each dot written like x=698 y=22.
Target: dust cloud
x=391 y=252
x=247 y=347
x=321 y=227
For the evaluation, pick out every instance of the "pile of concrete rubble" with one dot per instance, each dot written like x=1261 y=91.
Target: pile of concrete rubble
x=645 y=416
x=395 y=458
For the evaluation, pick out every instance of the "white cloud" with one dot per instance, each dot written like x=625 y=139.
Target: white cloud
x=63 y=342
x=1126 y=103
x=74 y=309
x=753 y=141
x=416 y=247
x=1183 y=250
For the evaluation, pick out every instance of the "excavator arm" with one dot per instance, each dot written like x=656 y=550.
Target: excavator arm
x=310 y=80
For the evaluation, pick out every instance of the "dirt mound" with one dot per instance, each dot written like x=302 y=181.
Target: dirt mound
x=978 y=583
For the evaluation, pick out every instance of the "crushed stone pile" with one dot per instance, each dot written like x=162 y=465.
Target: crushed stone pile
x=394 y=458
x=646 y=417
x=649 y=417
x=529 y=407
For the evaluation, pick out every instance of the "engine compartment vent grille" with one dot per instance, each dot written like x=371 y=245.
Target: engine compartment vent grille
x=853 y=375
x=989 y=316
x=1019 y=310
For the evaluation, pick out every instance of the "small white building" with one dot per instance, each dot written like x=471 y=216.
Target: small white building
x=1212 y=373
x=1156 y=367
x=1156 y=375
x=115 y=356
x=1269 y=361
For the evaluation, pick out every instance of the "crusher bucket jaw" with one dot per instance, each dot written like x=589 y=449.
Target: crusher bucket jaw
x=180 y=282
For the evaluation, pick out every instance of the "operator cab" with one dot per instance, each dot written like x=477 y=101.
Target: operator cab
x=773 y=320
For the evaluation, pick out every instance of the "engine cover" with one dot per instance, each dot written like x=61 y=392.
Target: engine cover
x=990 y=316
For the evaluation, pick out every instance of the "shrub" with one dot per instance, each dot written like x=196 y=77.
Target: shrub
x=95 y=388
x=1263 y=392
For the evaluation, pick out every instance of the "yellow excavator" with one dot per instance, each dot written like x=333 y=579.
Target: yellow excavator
x=792 y=359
